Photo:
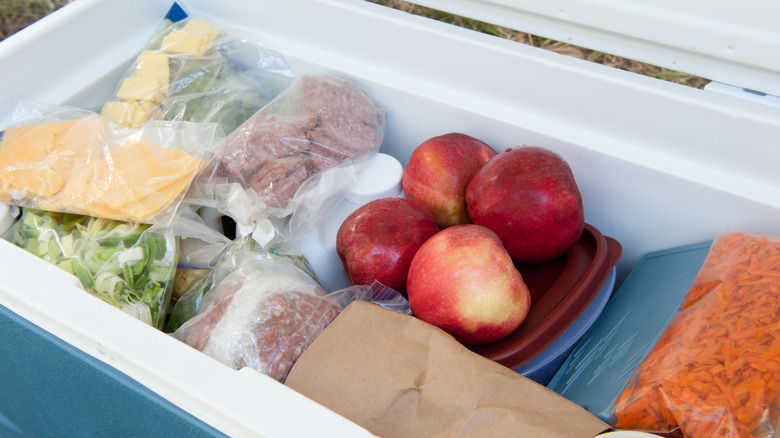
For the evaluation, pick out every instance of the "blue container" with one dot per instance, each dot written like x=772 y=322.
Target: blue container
x=52 y=389
x=594 y=374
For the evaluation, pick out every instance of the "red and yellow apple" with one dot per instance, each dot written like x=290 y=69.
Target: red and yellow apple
x=528 y=196
x=378 y=240
x=438 y=172
x=463 y=281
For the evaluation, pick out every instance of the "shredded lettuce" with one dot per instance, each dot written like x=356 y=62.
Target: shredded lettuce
x=128 y=265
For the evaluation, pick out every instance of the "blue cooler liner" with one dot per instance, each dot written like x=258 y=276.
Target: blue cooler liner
x=52 y=389
x=594 y=374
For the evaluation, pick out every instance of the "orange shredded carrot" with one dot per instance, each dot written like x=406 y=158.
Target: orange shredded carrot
x=715 y=370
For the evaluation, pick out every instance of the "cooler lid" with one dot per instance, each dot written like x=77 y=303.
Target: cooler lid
x=735 y=43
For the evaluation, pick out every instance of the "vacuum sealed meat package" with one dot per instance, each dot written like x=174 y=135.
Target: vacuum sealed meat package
x=261 y=310
x=296 y=158
x=198 y=71
x=71 y=160
x=715 y=370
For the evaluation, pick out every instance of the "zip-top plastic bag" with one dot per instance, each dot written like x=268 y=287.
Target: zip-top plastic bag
x=198 y=71
x=66 y=159
x=715 y=370
x=128 y=265
x=288 y=165
x=261 y=310
x=200 y=248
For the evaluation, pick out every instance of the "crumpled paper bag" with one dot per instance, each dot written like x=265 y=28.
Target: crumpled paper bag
x=398 y=376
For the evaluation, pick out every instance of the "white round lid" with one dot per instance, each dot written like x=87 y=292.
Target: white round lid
x=381 y=179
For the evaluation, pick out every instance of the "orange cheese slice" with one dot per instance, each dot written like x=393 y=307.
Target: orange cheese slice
x=135 y=182
x=36 y=161
x=64 y=166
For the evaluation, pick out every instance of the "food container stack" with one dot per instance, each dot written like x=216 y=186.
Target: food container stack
x=159 y=202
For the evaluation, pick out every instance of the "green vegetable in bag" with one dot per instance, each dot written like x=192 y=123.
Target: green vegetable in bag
x=128 y=265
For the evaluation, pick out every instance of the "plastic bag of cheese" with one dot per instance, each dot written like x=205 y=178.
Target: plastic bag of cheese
x=261 y=310
x=70 y=160
x=198 y=71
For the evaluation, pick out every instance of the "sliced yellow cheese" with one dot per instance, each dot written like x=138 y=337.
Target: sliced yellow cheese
x=154 y=64
x=63 y=166
x=198 y=26
x=141 y=89
x=30 y=183
x=185 y=43
x=36 y=161
x=22 y=154
x=137 y=182
x=129 y=113
x=194 y=38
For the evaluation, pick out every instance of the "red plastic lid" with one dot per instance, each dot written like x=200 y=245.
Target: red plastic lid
x=560 y=289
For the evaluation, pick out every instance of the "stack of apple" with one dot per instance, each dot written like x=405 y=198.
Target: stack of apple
x=469 y=216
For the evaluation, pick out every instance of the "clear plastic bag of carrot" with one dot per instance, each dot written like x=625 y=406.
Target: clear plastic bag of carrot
x=715 y=370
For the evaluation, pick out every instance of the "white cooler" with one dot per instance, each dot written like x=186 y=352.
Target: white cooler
x=659 y=165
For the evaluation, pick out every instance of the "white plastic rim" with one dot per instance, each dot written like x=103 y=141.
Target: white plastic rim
x=711 y=39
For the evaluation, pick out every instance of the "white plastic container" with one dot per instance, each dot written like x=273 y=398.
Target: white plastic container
x=380 y=179
x=659 y=164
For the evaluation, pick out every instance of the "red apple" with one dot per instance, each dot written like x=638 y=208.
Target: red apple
x=463 y=281
x=528 y=196
x=439 y=171
x=378 y=240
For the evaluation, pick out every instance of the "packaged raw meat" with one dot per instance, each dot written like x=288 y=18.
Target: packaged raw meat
x=261 y=310
x=295 y=159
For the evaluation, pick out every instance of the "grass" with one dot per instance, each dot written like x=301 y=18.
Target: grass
x=17 y=14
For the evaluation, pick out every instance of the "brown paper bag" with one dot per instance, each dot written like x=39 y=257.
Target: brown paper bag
x=398 y=376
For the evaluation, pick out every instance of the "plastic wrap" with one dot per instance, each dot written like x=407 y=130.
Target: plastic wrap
x=198 y=71
x=128 y=265
x=261 y=310
x=200 y=248
x=240 y=252
x=295 y=159
x=715 y=370
x=70 y=160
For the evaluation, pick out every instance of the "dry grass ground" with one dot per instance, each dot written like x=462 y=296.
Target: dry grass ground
x=16 y=14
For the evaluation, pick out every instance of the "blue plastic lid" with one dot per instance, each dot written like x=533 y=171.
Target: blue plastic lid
x=594 y=375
